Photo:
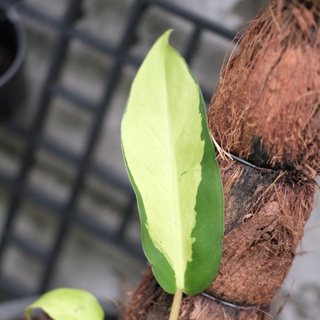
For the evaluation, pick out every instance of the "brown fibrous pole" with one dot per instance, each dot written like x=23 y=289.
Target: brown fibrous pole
x=265 y=111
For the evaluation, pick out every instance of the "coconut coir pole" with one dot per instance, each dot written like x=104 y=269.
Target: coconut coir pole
x=266 y=111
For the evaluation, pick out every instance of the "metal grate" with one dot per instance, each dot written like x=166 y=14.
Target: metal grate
x=33 y=141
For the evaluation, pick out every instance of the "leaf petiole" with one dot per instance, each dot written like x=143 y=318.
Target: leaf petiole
x=175 y=308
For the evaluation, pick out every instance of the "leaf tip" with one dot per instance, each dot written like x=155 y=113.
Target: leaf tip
x=166 y=35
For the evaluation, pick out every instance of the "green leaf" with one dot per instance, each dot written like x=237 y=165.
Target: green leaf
x=68 y=304
x=171 y=163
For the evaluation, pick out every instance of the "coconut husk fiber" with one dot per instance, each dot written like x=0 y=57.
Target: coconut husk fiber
x=264 y=111
x=266 y=107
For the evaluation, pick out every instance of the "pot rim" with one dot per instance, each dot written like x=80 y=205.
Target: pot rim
x=14 y=19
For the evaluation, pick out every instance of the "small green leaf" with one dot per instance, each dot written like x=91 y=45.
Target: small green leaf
x=68 y=304
x=171 y=163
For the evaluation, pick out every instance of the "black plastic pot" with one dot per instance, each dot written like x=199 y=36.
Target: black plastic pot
x=12 y=56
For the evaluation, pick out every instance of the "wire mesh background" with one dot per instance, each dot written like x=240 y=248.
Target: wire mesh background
x=63 y=186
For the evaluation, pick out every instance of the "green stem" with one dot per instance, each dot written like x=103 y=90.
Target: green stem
x=175 y=308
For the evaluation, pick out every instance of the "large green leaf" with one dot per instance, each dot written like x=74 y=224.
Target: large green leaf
x=171 y=164
x=68 y=304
